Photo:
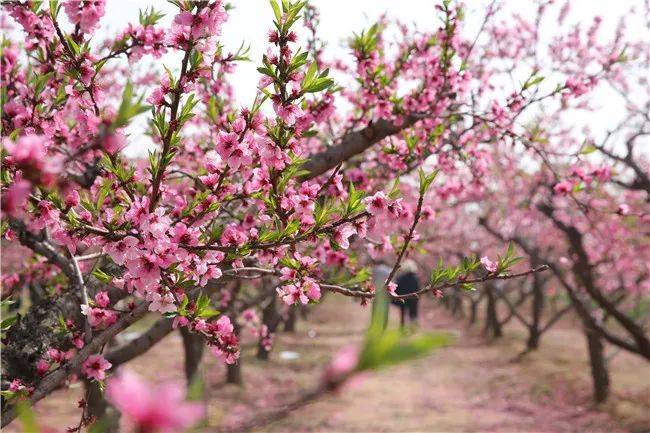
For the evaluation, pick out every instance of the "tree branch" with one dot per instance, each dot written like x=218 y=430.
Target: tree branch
x=353 y=144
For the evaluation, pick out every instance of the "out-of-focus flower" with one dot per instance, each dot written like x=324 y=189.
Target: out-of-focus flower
x=152 y=408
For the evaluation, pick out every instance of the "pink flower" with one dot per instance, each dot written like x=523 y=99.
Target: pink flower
x=376 y=204
x=99 y=317
x=153 y=407
x=15 y=197
x=396 y=209
x=489 y=265
x=123 y=250
x=162 y=303
x=42 y=367
x=145 y=270
x=623 y=209
x=200 y=325
x=86 y=13
x=603 y=173
x=576 y=86
x=562 y=188
x=18 y=385
x=233 y=236
x=95 y=367
x=312 y=289
x=114 y=142
x=392 y=288
x=182 y=235
x=206 y=23
x=361 y=226
x=29 y=153
x=249 y=315
x=291 y=294
x=78 y=342
x=225 y=356
x=226 y=143
x=342 y=235
x=342 y=365
x=240 y=156
x=180 y=321
x=72 y=198
x=288 y=113
x=102 y=299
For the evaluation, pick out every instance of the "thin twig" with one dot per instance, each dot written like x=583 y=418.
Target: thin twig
x=430 y=288
x=84 y=299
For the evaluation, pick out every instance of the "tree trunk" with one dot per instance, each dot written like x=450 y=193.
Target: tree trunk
x=534 y=331
x=271 y=318
x=98 y=407
x=473 y=310
x=456 y=303
x=290 y=324
x=599 y=372
x=233 y=371
x=460 y=304
x=492 y=325
x=193 y=345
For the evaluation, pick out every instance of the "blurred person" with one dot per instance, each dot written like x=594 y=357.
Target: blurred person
x=407 y=283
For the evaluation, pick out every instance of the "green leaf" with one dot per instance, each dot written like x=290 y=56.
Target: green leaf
x=426 y=180
x=310 y=74
x=129 y=108
x=276 y=11
x=73 y=45
x=6 y=323
x=533 y=81
x=102 y=276
x=586 y=150
x=393 y=348
x=27 y=417
x=318 y=85
x=196 y=388
x=379 y=315
x=54 y=9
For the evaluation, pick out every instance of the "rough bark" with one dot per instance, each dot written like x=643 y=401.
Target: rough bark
x=234 y=371
x=583 y=270
x=193 y=346
x=598 y=363
x=492 y=324
x=271 y=318
x=97 y=406
x=55 y=378
x=352 y=144
x=290 y=323
x=534 y=330
x=32 y=334
x=473 y=310
x=140 y=344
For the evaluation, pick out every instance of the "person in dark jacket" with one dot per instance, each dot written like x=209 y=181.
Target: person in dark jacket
x=408 y=282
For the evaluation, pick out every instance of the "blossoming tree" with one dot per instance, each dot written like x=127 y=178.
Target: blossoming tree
x=291 y=194
x=575 y=199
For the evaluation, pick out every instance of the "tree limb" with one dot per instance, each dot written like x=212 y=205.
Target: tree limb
x=353 y=144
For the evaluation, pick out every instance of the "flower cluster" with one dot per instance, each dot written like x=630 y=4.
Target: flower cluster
x=85 y=13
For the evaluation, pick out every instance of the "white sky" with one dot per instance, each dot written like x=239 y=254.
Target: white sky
x=250 y=20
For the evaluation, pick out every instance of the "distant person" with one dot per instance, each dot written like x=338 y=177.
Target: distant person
x=407 y=282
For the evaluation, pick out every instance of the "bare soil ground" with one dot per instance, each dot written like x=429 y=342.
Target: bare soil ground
x=471 y=386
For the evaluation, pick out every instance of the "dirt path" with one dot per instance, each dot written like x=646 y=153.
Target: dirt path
x=470 y=386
